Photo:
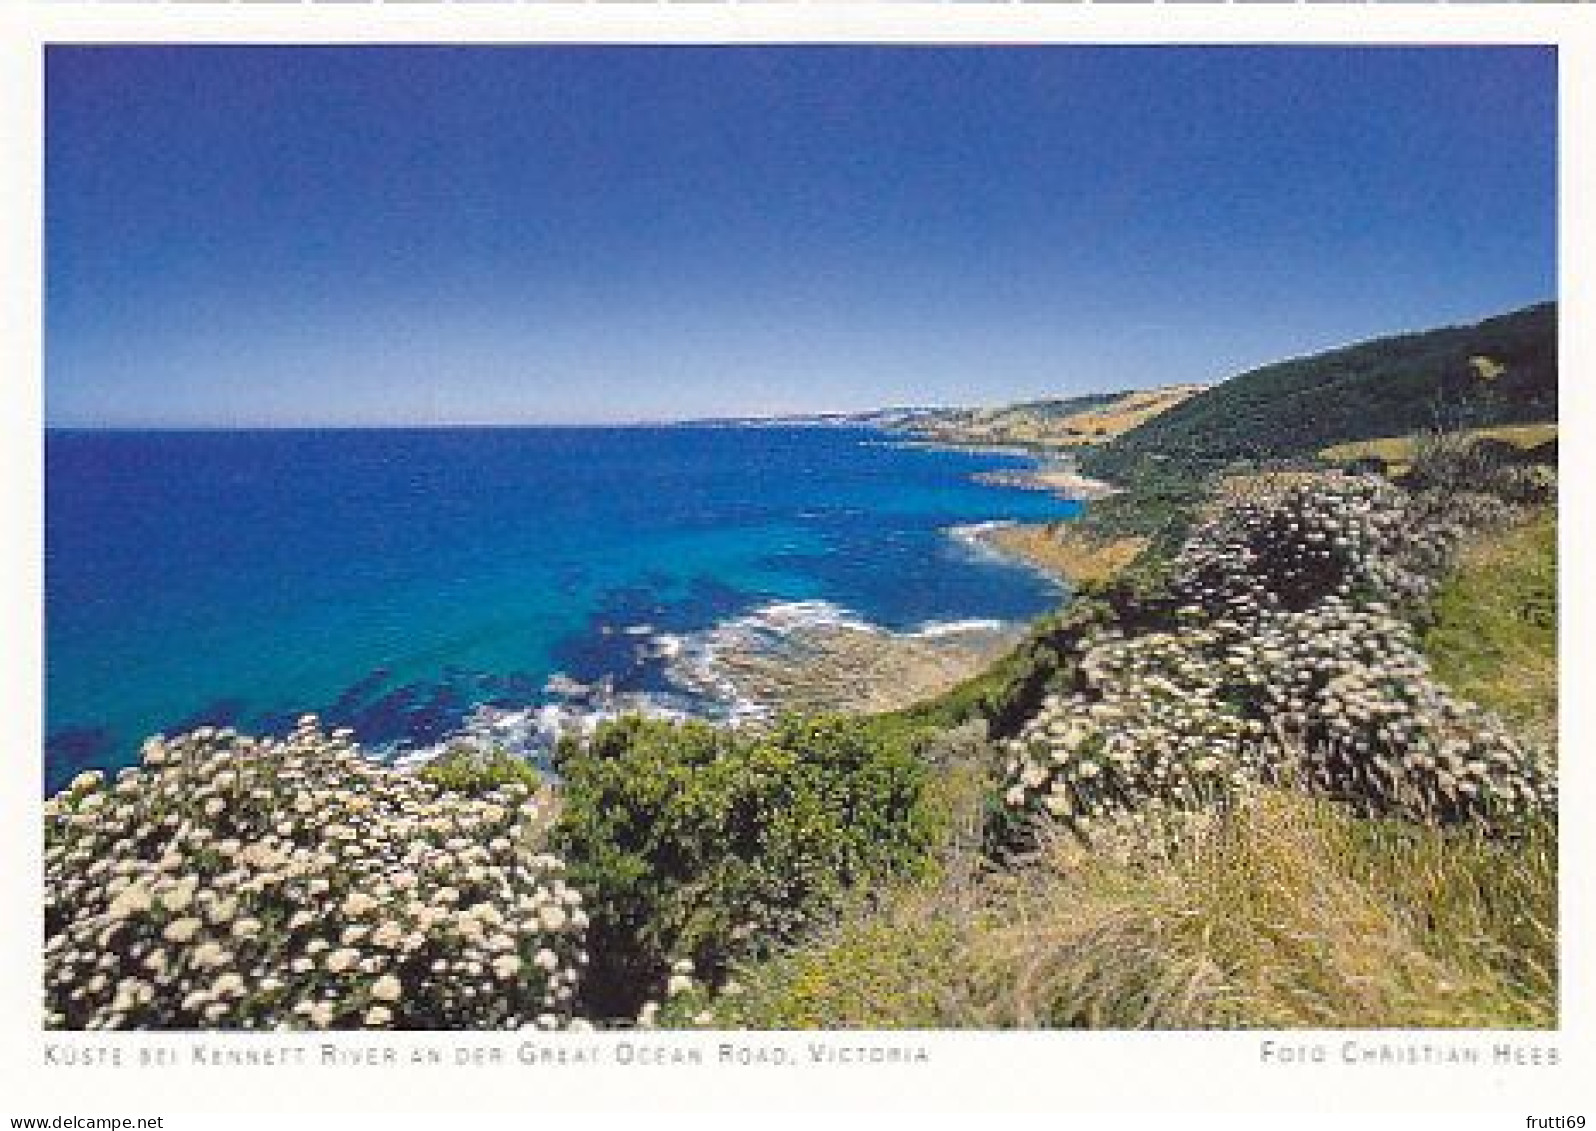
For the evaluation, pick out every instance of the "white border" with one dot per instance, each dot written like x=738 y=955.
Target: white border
x=1097 y=1072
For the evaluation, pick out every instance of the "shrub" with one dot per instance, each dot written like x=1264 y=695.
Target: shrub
x=701 y=843
x=234 y=882
x=1460 y=463
x=1380 y=731
x=1150 y=731
x=1452 y=461
x=476 y=771
x=1045 y=662
x=1290 y=546
x=1289 y=662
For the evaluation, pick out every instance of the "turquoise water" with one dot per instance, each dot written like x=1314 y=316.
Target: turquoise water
x=394 y=580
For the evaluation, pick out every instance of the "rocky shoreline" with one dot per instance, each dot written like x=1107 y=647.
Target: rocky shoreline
x=850 y=668
x=856 y=668
x=1065 y=482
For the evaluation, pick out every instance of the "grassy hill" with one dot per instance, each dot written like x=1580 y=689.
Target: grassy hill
x=1067 y=422
x=1500 y=371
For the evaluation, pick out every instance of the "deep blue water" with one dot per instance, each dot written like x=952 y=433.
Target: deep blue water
x=391 y=580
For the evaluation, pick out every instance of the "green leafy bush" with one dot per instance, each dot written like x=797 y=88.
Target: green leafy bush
x=475 y=771
x=698 y=842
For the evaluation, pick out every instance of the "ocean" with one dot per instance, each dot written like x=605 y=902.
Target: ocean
x=400 y=582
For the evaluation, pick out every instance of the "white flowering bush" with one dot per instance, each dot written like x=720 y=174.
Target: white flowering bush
x=1450 y=463
x=1355 y=690
x=1351 y=536
x=1287 y=661
x=1151 y=729
x=236 y=882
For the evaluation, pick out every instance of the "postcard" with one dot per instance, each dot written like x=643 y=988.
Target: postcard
x=800 y=557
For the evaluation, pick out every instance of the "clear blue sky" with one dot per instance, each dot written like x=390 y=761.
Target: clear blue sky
x=277 y=236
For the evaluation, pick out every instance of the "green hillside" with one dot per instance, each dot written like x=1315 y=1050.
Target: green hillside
x=1503 y=370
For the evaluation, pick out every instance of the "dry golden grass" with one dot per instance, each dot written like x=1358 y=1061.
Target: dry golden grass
x=1019 y=424
x=1067 y=551
x=1397 y=451
x=1288 y=913
x=1098 y=426
x=1239 y=487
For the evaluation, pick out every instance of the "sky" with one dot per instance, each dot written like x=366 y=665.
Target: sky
x=366 y=236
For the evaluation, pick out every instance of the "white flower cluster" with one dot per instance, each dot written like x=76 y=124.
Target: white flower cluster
x=235 y=882
x=681 y=981
x=1350 y=536
x=1152 y=728
x=1352 y=686
x=1290 y=650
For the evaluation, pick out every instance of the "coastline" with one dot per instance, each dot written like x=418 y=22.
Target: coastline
x=799 y=656
x=516 y=688
x=821 y=662
x=813 y=656
x=1065 y=482
x=1061 y=550
x=1054 y=472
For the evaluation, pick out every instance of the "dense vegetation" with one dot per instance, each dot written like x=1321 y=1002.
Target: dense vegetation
x=233 y=882
x=474 y=771
x=698 y=844
x=1287 y=913
x=1105 y=829
x=1373 y=389
x=1281 y=651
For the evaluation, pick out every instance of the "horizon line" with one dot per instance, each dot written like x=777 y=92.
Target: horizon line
x=439 y=426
